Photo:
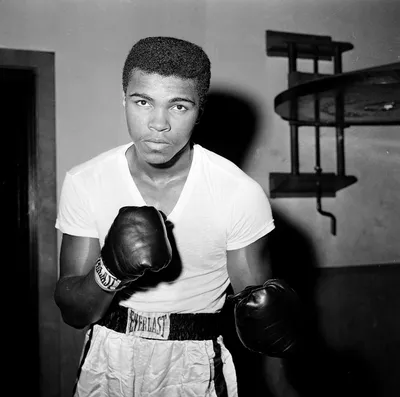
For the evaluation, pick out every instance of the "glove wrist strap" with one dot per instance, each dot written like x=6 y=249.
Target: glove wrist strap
x=104 y=278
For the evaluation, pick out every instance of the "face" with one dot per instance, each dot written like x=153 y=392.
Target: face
x=161 y=113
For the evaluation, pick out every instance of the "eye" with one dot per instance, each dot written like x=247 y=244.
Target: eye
x=142 y=103
x=180 y=108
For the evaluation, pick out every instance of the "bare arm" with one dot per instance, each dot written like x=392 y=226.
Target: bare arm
x=77 y=294
x=251 y=266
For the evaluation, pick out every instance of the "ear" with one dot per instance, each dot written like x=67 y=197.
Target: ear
x=201 y=111
x=123 y=99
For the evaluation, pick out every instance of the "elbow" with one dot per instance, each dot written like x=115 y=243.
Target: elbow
x=69 y=314
x=72 y=322
x=74 y=319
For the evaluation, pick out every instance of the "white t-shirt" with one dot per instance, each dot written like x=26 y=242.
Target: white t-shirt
x=220 y=208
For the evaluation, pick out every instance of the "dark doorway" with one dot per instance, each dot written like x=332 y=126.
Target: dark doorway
x=30 y=318
x=17 y=164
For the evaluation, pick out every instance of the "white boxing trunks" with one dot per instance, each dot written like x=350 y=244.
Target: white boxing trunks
x=131 y=354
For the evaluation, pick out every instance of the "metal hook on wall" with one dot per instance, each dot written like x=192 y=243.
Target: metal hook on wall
x=325 y=213
x=318 y=168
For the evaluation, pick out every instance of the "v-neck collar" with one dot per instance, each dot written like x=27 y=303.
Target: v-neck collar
x=137 y=196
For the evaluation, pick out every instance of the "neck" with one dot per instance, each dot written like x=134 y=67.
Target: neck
x=177 y=167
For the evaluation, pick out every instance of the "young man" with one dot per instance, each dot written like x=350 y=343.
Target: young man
x=154 y=232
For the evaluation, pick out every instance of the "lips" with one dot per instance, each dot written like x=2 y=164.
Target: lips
x=156 y=143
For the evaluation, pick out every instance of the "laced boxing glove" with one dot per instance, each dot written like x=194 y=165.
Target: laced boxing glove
x=136 y=241
x=268 y=318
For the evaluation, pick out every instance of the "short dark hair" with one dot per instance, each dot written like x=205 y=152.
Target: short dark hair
x=169 y=56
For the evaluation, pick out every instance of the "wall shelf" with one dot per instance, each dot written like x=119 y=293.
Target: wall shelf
x=363 y=97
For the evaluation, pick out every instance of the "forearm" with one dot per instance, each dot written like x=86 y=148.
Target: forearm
x=81 y=300
x=275 y=376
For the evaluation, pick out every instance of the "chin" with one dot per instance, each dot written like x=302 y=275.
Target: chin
x=162 y=158
x=159 y=160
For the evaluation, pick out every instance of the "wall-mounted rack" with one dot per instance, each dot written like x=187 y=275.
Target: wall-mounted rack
x=364 y=97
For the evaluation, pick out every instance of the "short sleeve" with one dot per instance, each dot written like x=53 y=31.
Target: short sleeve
x=75 y=216
x=251 y=216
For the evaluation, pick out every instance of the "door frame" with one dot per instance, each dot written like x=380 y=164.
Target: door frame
x=42 y=203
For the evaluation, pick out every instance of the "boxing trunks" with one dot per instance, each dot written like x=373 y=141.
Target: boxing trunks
x=131 y=353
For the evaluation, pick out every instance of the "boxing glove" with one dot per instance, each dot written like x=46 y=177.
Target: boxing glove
x=136 y=241
x=268 y=318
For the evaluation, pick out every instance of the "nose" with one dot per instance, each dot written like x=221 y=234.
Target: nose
x=159 y=120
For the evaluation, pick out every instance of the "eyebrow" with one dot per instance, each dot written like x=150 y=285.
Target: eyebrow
x=172 y=100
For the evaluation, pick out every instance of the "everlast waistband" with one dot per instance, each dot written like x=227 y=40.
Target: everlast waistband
x=164 y=326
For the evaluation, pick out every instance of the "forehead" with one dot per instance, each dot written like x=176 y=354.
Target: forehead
x=166 y=85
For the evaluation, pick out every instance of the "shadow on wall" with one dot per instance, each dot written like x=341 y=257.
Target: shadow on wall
x=317 y=369
x=228 y=127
